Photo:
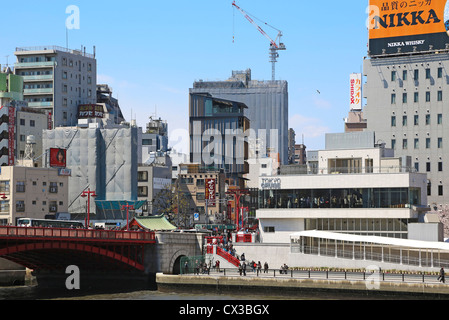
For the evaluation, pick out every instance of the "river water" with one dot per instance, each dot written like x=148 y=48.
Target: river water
x=33 y=293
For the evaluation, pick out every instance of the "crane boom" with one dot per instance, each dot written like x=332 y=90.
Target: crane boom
x=274 y=47
x=255 y=24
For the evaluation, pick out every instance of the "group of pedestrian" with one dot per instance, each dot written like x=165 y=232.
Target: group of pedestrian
x=255 y=267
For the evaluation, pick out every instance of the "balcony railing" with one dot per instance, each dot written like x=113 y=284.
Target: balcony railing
x=38 y=91
x=35 y=64
x=43 y=77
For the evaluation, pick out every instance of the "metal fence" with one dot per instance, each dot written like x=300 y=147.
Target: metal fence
x=324 y=275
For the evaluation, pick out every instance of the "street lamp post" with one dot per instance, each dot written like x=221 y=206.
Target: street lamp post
x=3 y=197
x=127 y=207
x=88 y=194
x=237 y=194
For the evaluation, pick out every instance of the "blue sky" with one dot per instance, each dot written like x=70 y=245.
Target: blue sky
x=151 y=52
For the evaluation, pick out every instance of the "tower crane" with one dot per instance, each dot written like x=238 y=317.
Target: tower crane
x=275 y=45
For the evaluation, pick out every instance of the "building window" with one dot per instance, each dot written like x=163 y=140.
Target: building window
x=416 y=144
x=404 y=144
x=428 y=166
x=440 y=190
x=200 y=183
x=20 y=186
x=32 y=123
x=440 y=72
x=427 y=73
x=393 y=98
x=427 y=143
x=416 y=75
x=4 y=186
x=393 y=75
x=393 y=121
x=440 y=166
x=268 y=229
x=404 y=121
x=142 y=191
x=22 y=122
x=439 y=118
x=404 y=97
x=417 y=166
x=404 y=75
x=20 y=206
x=427 y=96
x=427 y=119
x=142 y=176
x=53 y=206
x=440 y=95
x=200 y=196
x=416 y=120
x=416 y=97
x=53 y=187
x=440 y=143
x=393 y=144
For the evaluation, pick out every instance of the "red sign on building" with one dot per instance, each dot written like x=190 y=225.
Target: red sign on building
x=210 y=192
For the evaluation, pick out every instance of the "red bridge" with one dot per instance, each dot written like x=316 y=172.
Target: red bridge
x=55 y=249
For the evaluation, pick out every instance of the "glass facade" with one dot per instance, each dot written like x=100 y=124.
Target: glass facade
x=340 y=198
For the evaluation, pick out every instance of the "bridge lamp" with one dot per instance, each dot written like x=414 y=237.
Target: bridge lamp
x=88 y=194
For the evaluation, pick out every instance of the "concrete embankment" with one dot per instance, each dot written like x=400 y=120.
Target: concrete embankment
x=299 y=287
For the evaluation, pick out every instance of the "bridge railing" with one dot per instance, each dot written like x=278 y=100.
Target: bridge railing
x=93 y=234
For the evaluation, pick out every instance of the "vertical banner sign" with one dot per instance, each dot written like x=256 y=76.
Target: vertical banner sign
x=355 y=84
x=210 y=192
x=11 y=140
x=49 y=121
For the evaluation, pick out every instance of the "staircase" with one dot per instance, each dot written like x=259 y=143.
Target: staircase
x=227 y=260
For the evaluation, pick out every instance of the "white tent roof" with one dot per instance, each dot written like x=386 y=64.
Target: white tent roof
x=372 y=239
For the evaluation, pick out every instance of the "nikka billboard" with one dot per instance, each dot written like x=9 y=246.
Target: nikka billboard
x=405 y=26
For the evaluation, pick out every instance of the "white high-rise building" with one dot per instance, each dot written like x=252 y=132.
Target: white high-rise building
x=58 y=80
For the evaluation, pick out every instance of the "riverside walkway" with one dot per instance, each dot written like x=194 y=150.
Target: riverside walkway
x=295 y=283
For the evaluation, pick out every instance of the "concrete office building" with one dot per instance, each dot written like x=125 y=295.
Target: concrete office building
x=365 y=190
x=217 y=135
x=152 y=178
x=407 y=98
x=32 y=193
x=407 y=93
x=267 y=103
x=57 y=80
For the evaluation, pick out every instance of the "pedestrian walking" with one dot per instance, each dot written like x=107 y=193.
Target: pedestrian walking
x=244 y=268
x=265 y=267
x=441 y=277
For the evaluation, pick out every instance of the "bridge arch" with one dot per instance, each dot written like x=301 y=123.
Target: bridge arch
x=175 y=261
x=40 y=255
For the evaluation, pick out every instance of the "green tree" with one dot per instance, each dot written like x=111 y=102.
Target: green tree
x=174 y=204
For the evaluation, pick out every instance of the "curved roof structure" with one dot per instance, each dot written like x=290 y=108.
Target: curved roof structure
x=372 y=239
x=153 y=223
